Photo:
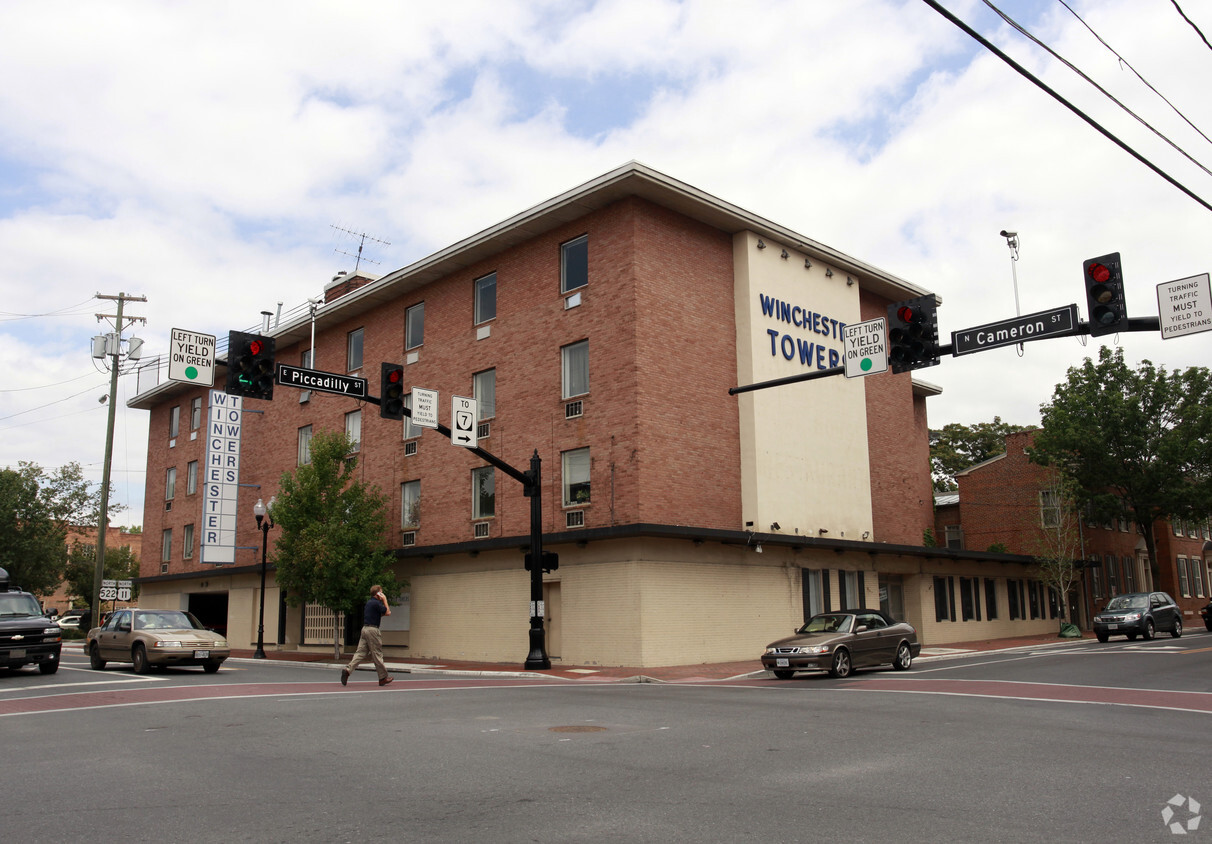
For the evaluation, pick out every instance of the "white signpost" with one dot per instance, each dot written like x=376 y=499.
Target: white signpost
x=865 y=348
x=424 y=407
x=1184 y=306
x=462 y=421
x=191 y=357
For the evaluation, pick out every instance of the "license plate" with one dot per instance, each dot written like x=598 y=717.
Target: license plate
x=1112 y=626
x=201 y=654
x=782 y=662
x=17 y=653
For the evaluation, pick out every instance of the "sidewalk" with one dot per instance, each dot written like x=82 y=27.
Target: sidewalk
x=624 y=674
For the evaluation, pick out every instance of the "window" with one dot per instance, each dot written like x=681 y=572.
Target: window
x=353 y=350
x=574 y=264
x=970 y=596
x=990 y=598
x=1129 y=574
x=1049 y=508
x=484 y=388
x=486 y=298
x=170 y=484
x=187 y=542
x=1112 y=573
x=483 y=493
x=1184 y=587
x=195 y=414
x=575 y=466
x=191 y=477
x=414 y=326
x=174 y=422
x=353 y=429
x=944 y=601
x=574 y=367
x=1096 y=577
x=305 y=445
x=166 y=545
x=813 y=587
x=1177 y=525
x=410 y=504
x=954 y=536
x=1197 y=577
x=1014 y=592
x=410 y=430
x=1034 y=590
x=305 y=358
x=1053 y=603
x=850 y=590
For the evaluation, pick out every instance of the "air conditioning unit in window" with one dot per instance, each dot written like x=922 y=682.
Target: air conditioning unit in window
x=410 y=448
x=163 y=568
x=168 y=505
x=409 y=538
x=481 y=530
x=483 y=430
x=575 y=518
x=573 y=409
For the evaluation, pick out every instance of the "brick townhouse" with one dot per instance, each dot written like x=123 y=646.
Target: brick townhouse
x=1007 y=501
x=602 y=330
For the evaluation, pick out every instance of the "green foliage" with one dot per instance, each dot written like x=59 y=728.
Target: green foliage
x=957 y=447
x=1131 y=444
x=120 y=564
x=928 y=538
x=332 y=545
x=998 y=548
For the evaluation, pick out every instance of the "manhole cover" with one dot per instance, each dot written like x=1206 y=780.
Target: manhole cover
x=578 y=728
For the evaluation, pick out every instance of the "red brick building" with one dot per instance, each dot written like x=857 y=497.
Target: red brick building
x=1006 y=501
x=601 y=330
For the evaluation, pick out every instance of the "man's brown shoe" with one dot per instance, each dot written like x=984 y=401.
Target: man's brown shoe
x=344 y=676
x=386 y=680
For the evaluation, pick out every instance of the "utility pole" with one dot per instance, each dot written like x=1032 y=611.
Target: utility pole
x=113 y=349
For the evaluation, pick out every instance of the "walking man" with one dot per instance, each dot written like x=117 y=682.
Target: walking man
x=370 y=644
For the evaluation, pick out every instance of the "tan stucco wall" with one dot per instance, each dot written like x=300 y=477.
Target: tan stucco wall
x=804 y=461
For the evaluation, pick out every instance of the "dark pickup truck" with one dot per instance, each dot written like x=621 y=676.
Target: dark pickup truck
x=26 y=634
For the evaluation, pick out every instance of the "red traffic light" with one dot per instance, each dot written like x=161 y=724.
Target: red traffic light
x=1098 y=272
x=909 y=314
x=254 y=347
x=395 y=376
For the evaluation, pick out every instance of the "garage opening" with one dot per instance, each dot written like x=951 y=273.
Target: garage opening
x=210 y=608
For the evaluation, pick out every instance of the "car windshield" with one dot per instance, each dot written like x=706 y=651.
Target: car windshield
x=18 y=605
x=166 y=620
x=1128 y=602
x=828 y=623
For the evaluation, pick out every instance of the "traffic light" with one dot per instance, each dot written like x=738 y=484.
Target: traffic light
x=1105 y=305
x=250 y=365
x=391 y=391
x=912 y=334
x=551 y=561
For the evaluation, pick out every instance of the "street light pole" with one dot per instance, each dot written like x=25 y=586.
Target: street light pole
x=265 y=521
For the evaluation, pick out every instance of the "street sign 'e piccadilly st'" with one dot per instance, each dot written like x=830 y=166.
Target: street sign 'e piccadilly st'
x=321 y=382
x=1057 y=322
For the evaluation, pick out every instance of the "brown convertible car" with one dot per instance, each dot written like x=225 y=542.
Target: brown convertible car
x=839 y=642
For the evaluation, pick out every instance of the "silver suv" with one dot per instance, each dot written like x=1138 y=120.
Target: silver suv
x=1143 y=614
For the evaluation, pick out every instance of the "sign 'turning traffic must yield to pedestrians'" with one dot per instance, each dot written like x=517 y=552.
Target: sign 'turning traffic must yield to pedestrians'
x=865 y=348
x=1184 y=306
x=424 y=408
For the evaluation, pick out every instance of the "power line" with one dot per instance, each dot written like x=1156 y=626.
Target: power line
x=1128 y=65
x=1193 y=26
x=6 y=316
x=1093 y=123
x=1100 y=88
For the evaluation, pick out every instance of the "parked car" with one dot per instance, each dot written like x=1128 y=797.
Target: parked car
x=26 y=635
x=839 y=642
x=1141 y=614
x=148 y=638
x=69 y=622
x=1206 y=612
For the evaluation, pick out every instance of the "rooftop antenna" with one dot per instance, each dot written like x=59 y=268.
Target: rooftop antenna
x=362 y=238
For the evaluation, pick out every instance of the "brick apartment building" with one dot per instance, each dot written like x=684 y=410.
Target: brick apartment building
x=601 y=329
x=1007 y=501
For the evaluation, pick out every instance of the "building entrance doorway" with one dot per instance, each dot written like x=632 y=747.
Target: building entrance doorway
x=551 y=618
x=892 y=596
x=210 y=608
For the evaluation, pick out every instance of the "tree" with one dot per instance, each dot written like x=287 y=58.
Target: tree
x=332 y=546
x=1134 y=444
x=957 y=447
x=120 y=564
x=1059 y=546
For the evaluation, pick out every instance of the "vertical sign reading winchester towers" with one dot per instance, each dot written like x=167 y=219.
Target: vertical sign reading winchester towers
x=222 y=479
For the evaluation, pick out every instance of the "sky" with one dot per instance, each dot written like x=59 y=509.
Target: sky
x=214 y=157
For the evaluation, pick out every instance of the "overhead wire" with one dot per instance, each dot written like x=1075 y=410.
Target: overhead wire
x=1022 y=30
x=1042 y=86
x=1193 y=26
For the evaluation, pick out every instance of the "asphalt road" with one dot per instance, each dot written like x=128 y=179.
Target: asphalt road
x=1082 y=743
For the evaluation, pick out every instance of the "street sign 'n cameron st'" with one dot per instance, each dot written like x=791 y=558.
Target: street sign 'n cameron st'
x=323 y=382
x=1057 y=322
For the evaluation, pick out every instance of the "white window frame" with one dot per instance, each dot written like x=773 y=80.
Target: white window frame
x=482 y=298
x=414 y=327
x=304 y=455
x=195 y=413
x=174 y=422
x=576 y=471
x=411 y=431
x=187 y=542
x=170 y=483
x=484 y=388
x=478 y=511
x=410 y=505
x=353 y=430
x=572 y=247
x=191 y=477
x=568 y=386
x=166 y=545
x=355 y=343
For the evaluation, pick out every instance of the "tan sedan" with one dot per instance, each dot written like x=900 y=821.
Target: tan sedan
x=149 y=638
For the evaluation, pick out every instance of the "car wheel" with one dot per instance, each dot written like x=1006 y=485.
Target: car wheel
x=1102 y=637
x=1149 y=632
x=841 y=663
x=48 y=667
x=95 y=662
x=904 y=657
x=1131 y=637
x=1208 y=624
x=139 y=657
x=211 y=667
x=1178 y=628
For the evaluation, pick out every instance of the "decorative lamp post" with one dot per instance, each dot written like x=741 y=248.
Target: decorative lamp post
x=265 y=521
